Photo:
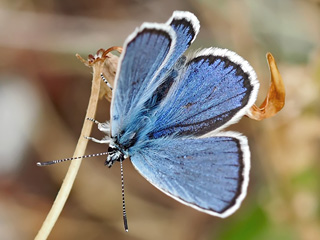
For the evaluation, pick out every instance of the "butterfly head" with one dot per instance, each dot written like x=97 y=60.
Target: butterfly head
x=114 y=154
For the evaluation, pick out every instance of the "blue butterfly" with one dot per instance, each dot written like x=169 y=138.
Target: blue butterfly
x=168 y=112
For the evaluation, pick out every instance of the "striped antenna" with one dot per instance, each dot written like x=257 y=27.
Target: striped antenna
x=41 y=164
x=125 y=221
x=106 y=81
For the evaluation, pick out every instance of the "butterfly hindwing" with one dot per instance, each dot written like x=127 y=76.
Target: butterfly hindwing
x=209 y=174
x=216 y=89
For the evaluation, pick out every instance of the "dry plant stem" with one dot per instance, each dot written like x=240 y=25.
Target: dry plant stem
x=67 y=184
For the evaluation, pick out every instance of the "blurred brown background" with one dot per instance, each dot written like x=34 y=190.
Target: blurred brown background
x=44 y=92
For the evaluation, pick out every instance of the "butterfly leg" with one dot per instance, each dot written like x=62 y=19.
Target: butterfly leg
x=102 y=141
x=103 y=127
x=106 y=81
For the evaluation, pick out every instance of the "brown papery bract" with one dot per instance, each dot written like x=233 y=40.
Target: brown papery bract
x=275 y=98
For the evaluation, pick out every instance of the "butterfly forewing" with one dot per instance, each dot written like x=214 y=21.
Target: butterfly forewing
x=214 y=91
x=148 y=56
x=186 y=27
x=144 y=53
